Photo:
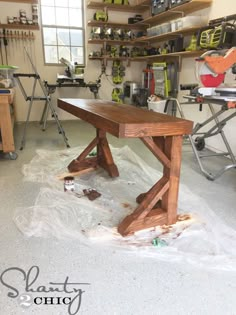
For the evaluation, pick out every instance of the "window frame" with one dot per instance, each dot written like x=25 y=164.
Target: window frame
x=83 y=29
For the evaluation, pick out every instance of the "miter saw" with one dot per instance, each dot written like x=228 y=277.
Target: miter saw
x=73 y=70
x=211 y=69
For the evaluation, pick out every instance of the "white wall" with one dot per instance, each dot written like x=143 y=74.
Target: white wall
x=218 y=8
x=17 y=57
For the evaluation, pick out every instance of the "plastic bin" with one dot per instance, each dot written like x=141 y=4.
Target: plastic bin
x=166 y=28
x=6 y=76
x=158 y=106
x=191 y=21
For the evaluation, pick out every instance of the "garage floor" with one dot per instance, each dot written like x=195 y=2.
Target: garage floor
x=114 y=283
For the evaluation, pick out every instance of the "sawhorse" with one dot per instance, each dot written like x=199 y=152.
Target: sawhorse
x=31 y=98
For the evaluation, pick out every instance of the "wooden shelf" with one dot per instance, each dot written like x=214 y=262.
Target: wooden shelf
x=183 y=9
x=19 y=26
x=21 y=1
x=179 y=11
x=144 y=3
x=118 y=7
x=171 y=55
x=114 y=42
x=170 y=35
x=153 y=57
x=146 y=39
x=116 y=25
x=110 y=58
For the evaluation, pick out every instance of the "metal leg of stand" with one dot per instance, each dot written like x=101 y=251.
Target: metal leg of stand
x=229 y=150
x=28 y=115
x=26 y=125
x=46 y=97
x=43 y=114
x=60 y=128
x=46 y=111
x=48 y=106
x=180 y=109
x=211 y=132
x=207 y=174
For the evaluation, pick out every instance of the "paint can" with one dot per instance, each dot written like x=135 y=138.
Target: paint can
x=69 y=184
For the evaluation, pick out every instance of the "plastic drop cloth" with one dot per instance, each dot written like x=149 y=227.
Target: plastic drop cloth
x=198 y=236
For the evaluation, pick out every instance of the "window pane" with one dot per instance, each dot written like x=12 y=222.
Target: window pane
x=63 y=30
x=62 y=16
x=75 y=17
x=62 y=3
x=47 y=2
x=75 y=4
x=76 y=37
x=50 y=36
x=63 y=37
x=64 y=52
x=51 y=54
x=77 y=55
x=48 y=16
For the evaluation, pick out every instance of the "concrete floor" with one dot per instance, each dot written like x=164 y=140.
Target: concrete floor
x=119 y=284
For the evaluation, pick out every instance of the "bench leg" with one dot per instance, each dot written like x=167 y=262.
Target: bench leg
x=103 y=156
x=158 y=206
x=6 y=125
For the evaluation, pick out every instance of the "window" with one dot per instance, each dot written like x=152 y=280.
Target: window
x=63 y=30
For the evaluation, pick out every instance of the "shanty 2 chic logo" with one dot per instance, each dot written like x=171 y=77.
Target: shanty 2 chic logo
x=55 y=293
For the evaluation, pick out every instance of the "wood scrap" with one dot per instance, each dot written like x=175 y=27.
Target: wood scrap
x=78 y=173
x=92 y=194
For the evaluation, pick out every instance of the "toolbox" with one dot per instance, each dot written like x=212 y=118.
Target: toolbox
x=159 y=6
x=217 y=36
x=175 y=3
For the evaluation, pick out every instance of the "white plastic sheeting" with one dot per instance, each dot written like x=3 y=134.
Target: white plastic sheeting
x=198 y=237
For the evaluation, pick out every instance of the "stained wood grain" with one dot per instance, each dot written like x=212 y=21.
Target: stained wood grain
x=162 y=134
x=125 y=121
x=6 y=124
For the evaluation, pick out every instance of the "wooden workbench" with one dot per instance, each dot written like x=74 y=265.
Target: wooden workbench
x=6 y=121
x=161 y=133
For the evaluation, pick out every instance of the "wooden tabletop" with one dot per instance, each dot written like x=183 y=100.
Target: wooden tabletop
x=125 y=121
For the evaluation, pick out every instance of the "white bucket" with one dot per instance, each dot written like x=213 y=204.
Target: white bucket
x=158 y=106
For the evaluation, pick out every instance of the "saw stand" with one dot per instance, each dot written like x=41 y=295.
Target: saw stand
x=215 y=127
x=31 y=98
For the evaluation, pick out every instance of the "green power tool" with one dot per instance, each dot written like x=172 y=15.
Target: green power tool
x=118 y=72
x=117 y=95
x=100 y=16
x=126 y=2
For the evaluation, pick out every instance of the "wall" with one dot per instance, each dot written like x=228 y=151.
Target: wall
x=17 y=57
x=218 y=8
x=93 y=68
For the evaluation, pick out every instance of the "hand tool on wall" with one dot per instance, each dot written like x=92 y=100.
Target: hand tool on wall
x=10 y=43
x=1 y=48
x=13 y=41
x=5 y=44
x=29 y=37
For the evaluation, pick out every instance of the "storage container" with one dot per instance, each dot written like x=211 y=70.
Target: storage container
x=158 y=106
x=6 y=76
x=174 y=25
x=191 y=21
x=165 y=28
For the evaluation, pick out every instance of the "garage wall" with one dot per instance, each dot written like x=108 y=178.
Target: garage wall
x=16 y=56
x=219 y=8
